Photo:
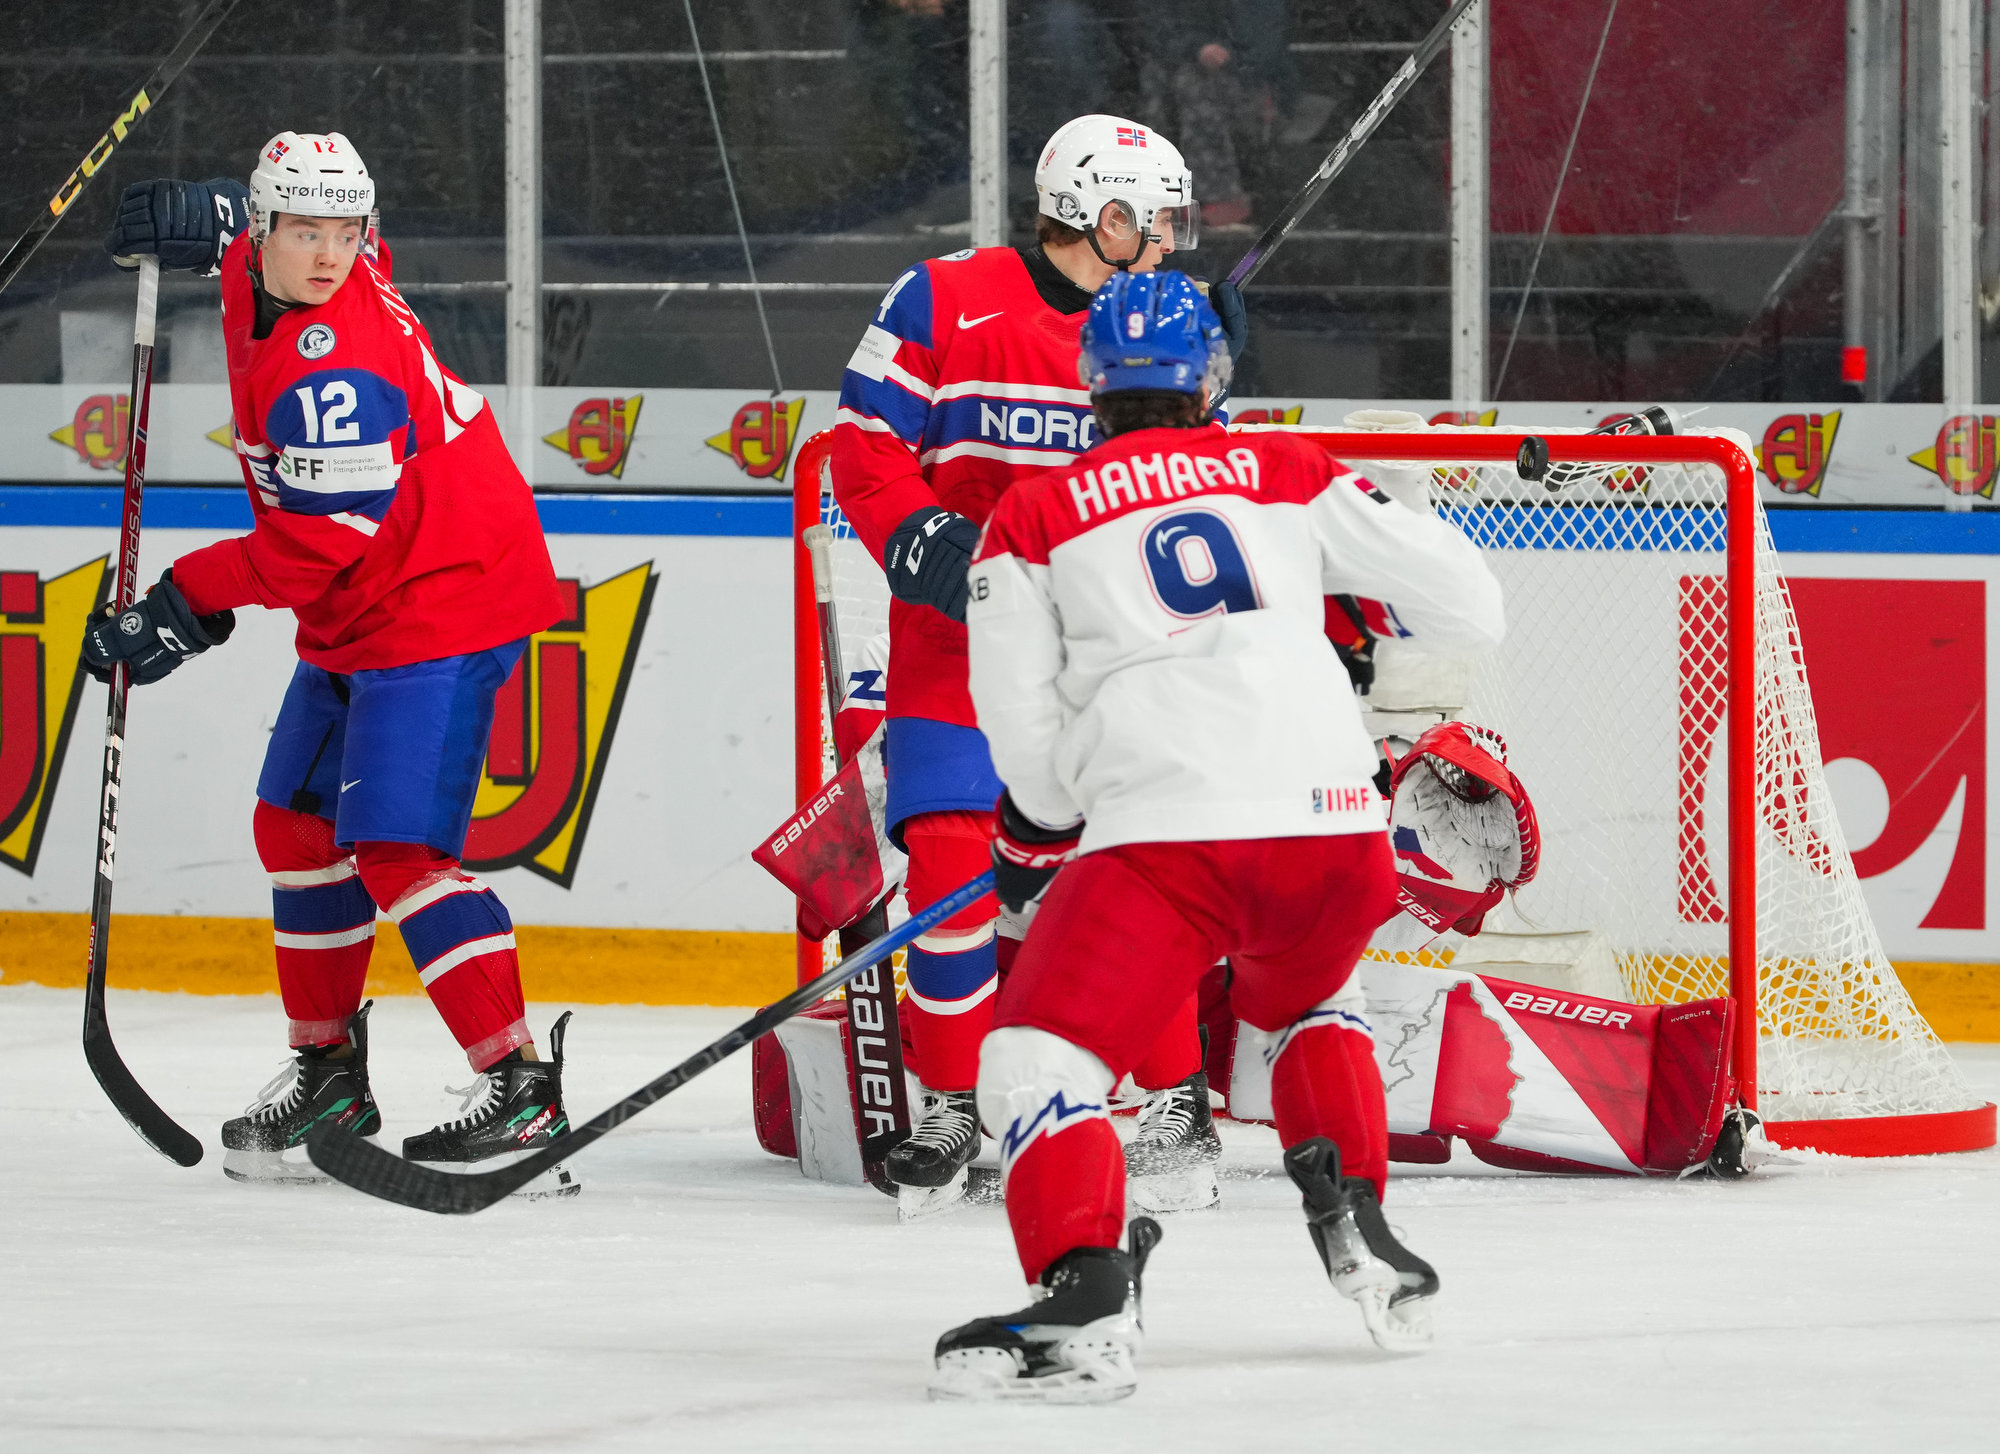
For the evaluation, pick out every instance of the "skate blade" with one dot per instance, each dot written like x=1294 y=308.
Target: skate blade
x=974 y=1186
x=557 y=1181
x=1190 y=1189
x=291 y=1167
x=1402 y=1328
x=990 y=1375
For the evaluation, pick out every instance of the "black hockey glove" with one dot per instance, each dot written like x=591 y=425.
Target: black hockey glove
x=1026 y=855
x=927 y=557
x=1227 y=300
x=153 y=635
x=186 y=225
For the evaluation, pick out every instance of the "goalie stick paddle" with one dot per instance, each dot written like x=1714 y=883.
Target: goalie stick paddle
x=347 y=1158
x=881 y=1097
x=155 y=1127
x=1336 y=161
x=155 y=87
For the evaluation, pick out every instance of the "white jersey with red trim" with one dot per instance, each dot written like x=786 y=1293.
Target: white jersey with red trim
x=1147 y=635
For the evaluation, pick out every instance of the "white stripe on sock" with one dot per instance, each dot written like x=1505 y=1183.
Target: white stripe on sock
x=423 y=898
x=338 y=939
x=452 y=958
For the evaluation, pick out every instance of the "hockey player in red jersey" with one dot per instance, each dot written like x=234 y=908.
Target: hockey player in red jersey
x=391 y=521
x=1178 y=737
x=964 y=383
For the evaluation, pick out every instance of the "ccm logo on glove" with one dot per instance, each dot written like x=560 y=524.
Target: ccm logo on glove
x=152 y=636
x=926 y=560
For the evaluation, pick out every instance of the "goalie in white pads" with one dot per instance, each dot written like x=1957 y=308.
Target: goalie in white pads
x=1149 y=665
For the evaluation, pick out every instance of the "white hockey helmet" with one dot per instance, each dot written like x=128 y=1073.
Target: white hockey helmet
x=1099 y=162
x=309 y=174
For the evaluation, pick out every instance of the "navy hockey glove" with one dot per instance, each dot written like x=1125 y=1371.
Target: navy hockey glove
x=186 y=225
x=1026 y=855
x=927 y=557
x=1227 y=300
x=153 y=635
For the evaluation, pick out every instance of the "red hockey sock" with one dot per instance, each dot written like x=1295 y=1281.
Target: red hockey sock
x=461 y=939
x=323 y=923
x=952 y=970
x=1326 y=1083
x=1065 y=1189
x=1176 y=1055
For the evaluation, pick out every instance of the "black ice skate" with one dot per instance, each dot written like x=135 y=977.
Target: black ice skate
x=267 y=1142
x=1073 y=1345
x=1171 y=1159
x=510 y=1110
x=932 y=1167
x=1364 y=1261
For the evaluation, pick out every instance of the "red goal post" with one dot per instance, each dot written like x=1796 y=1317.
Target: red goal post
x=1665 y=533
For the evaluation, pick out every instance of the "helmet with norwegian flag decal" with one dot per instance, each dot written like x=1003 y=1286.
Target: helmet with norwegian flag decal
x=1106 y=171
x=308 y=174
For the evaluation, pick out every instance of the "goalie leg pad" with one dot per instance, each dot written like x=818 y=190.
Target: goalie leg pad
x=1060 y=1161
x=322 y=919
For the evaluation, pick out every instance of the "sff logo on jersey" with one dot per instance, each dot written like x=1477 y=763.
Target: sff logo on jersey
x=41 y=682
x=761 y=436
x=99 y=431
x=552 y=728
x=599 y=434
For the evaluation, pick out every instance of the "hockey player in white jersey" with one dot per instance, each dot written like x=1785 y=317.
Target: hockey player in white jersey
x=1177 y=735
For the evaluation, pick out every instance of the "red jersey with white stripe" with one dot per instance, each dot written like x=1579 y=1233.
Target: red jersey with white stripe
x=964 y=383
x=1147 y=642
x=390 y=518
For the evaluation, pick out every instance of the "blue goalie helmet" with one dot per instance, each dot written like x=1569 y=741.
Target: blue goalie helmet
x=1153 y=331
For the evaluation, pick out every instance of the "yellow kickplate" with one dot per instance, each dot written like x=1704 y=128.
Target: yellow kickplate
x=233 y=957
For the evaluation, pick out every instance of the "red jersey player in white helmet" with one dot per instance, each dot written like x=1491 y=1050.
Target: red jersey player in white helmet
x=392 y=522
x=964 y=383
x=1179 y=738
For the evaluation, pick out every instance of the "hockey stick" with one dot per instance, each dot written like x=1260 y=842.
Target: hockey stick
x=347 y=1158
x=872 y=1018
x=1336 y=161
x=93 y=160
x=155 y=1127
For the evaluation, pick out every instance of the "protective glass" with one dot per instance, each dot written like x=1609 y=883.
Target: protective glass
x=340 y=236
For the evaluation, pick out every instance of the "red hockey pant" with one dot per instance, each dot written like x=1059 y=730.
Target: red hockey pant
x=323 y=910
x=1118 y=950
x=954 y=970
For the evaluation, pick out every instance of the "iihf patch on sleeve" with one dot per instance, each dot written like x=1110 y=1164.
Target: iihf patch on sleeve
x=316 y=340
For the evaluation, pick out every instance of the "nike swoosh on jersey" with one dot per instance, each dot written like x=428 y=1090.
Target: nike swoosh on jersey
x=355 y=784
x=964 y=322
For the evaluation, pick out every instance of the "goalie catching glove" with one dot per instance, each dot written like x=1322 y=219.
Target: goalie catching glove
x=1461 y=826
x=153 y=635
x=1026 y=855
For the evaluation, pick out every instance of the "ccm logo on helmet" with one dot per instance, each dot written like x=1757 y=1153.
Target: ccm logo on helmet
x=1562 y=1009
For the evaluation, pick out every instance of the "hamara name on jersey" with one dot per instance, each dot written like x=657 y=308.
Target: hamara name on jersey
x=1171 y=566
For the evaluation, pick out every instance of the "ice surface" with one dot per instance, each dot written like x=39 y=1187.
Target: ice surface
x=700 y=1296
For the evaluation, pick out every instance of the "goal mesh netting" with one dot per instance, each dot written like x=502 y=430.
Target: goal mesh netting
x=1610 y=689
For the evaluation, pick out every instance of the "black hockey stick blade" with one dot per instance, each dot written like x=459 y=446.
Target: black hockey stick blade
x=155 y=1127
x=148 y=96
x=347 y=1158
x=1336 y=161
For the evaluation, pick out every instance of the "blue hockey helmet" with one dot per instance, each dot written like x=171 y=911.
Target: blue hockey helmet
x=1153 y=331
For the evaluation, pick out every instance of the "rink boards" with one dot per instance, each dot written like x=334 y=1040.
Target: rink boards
x=647 y=748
